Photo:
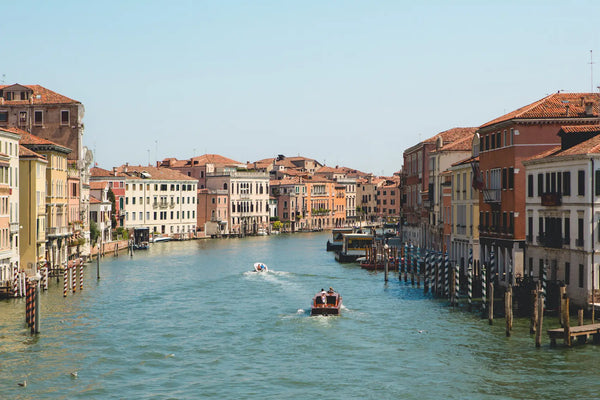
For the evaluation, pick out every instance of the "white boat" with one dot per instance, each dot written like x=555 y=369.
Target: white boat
x=161 y=239
x=260 y=267
x=262 y=232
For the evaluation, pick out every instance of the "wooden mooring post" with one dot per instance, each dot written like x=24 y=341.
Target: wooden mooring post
x=566 y=320
x=562 y=290
x=580 y=317
x=491 y=303
x=508 y=309
x=534 y=309
x=540 y=317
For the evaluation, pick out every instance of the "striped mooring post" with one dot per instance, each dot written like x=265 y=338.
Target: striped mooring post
x=74 y=277
x=406 y=262
x=426 y=277
x=80 y=274
x=483 y=288
x=44 y=273
x=446 y=274
x=438 y=289
x=493 y=274
x=544 y=279
x=456 y=283
x=470 y=279
x=413 y=264
x=15 y=280
x=66 y=279
x=418 y=268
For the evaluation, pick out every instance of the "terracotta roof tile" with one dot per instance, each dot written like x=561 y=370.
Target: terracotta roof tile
x=452 y=135
x=101 y=185
x=40 y=95
x=553 y=106
x=100 y=172
x=161 y=173
x=25 y=152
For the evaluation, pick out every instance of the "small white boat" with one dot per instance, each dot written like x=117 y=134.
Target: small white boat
x=260 y=267
x=161 y=239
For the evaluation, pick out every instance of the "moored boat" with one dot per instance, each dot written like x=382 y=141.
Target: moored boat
x=260 y=267
x=326 y=303
x=337 y=242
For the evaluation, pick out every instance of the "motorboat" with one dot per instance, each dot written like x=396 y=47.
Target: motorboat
x=260 y=267
x=337 y=242
x=326 y=303
x=161 y=239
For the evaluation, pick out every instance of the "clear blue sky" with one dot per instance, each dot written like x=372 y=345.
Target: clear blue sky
x=350 y=83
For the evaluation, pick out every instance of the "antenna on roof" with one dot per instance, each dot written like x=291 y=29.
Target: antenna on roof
x=591 y=72
x=3 y=78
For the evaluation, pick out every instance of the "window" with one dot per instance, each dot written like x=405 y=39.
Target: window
x=580 y=275
x=567 y=273
x=64 y=117
x=3 y=116
x=566 y=183
x=581 y=183
x=579 y=232
x=38 y=117
x=529 y=185
x=597 y=182
x=540 y=185
x=511 y=178
x=567 y=238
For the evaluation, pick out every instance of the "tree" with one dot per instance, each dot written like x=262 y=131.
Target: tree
x=113 y=211
x=94 y=232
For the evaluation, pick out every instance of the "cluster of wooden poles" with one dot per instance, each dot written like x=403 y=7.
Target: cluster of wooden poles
x=443 y=280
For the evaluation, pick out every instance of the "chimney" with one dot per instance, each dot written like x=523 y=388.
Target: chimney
x=1 y=101
x=589 y=108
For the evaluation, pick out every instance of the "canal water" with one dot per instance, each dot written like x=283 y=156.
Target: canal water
x=186 y=320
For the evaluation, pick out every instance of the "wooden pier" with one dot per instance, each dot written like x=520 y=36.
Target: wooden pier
x=580 y=333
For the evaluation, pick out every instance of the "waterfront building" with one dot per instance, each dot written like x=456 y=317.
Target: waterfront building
x=563 y=213
x=450 y=146
x=421 y=174
x=213 y=211
x=199 y=167
x=248 y=198
x=465 y=209
x=290 y=194
x=57 y=203
x=366 y=197
x=77 y=239
x=9 y=151
x=116 y=183
x=32 y=208
x=319 y=204
x=505 y=143
x=45 y=114
x=161 y=199
x=57 y=118
x=349 y=184
x=100 y=210
x=388 y=199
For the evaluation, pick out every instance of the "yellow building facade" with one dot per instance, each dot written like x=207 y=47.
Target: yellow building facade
x=32 y=207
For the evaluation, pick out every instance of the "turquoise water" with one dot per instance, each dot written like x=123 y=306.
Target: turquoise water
x=186 y=320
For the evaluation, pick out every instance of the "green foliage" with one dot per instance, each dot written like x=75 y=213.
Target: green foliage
x=94 y=232
x=277 y=225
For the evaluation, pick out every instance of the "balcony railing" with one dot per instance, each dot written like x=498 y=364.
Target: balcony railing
x=492 y=196
x=551 y=199
x=551 y=241
x=57 y=231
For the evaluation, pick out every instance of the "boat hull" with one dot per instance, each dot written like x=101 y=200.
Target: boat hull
x=325 y=311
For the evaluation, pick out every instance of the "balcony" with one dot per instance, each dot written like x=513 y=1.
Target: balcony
x=57 y=232
x=551 y=241
x=551 y=199
x=492 y=196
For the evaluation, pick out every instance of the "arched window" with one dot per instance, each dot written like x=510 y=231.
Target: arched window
x=225 y=186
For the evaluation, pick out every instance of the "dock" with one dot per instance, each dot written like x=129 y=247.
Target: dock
x=580 y=333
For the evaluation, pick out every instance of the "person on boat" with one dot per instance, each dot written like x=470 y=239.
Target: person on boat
x=323 y=297
x=331 y=291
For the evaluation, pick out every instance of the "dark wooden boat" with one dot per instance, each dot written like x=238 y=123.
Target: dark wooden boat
x=328 y=303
